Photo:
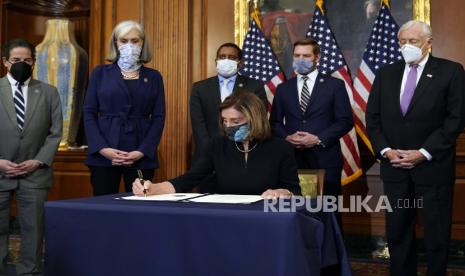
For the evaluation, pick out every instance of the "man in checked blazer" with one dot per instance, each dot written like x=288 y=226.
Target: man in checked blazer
x=414 y=114
x=31 y=130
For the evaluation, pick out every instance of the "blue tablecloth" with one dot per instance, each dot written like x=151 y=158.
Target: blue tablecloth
x=103 y=236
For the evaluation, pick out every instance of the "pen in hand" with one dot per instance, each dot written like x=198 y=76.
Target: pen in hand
x=141 y=179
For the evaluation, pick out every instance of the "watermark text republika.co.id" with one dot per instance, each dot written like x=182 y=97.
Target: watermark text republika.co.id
x=327 y=203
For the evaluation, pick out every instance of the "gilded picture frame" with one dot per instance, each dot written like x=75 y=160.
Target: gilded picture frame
x=419 y=9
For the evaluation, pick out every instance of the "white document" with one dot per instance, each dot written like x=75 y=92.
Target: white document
x=233 y=199
x=165 y=197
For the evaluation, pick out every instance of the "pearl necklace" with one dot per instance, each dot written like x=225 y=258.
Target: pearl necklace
x=245 y=151
x=130 y=75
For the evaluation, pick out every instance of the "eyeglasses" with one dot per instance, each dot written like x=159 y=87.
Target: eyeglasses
x=29 y=61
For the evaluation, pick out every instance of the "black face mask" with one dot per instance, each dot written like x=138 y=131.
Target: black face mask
x=21 y=71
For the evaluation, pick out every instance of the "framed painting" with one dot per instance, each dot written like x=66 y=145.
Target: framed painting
x=311 y=182
x=286 y=21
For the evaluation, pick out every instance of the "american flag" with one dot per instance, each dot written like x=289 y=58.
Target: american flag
x=332 y=62
x=260 y=62
x=382 y=49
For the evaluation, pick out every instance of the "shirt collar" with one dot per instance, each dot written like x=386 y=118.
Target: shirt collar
x=13 y=81
x=422 y=63
x=232 y=78
x=311 y=76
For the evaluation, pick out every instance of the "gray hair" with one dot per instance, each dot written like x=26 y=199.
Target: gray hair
x=427 y=31
x=122 y=29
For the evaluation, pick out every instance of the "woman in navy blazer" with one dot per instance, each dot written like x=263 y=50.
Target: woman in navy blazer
x=124 y=113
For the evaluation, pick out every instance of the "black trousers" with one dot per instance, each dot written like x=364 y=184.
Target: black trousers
x=106 y=180
x=436 y=212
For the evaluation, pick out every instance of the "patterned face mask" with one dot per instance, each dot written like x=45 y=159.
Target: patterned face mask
x=237 y=133
x=129 y=55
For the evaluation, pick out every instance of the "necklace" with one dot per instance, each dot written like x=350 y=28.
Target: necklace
x=245 y=151
x=130 y=75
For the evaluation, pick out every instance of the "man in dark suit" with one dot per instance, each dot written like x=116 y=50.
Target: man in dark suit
x=30 y=112
x=207 y=94
x=414 y=114
x=312 y=111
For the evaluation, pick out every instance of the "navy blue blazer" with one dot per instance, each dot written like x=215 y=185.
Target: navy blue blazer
x=328 y=116
x=115 y=119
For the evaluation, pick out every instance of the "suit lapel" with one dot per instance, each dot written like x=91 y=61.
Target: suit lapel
x=294 y=96
x=397 y=84
x=6 y=98
x=213 y=91
x=240 y=83
x=33 y=96
x=115 y=74
x=425 y=79
x=317 y=87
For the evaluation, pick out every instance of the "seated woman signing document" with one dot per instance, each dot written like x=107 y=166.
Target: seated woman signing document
x=245 y=160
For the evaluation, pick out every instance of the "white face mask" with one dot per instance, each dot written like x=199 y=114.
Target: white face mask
x=226 y=67
x=411 y=53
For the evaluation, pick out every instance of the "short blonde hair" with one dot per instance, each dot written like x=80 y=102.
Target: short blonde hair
x=253 y=109
x=122 y=29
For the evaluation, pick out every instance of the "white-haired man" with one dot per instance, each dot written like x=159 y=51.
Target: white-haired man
x=414 y=114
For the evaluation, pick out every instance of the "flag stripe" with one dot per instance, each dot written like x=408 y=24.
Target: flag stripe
x=382 y=48
x=332 y=62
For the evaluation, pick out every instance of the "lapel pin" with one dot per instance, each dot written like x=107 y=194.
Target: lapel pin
x=36 y=90
x=240 y=85
x=429 y=75
x=146 y=80
x=322 y=80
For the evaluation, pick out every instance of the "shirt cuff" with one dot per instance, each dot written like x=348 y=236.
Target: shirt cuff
x=383 y=151
x=426 y=154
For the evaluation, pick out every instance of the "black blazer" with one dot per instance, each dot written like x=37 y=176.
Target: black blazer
x=270 y=165
x=433 y=121
x=205 y=100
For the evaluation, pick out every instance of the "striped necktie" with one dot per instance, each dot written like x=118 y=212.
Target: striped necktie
x=20 y=106
x=305 y=95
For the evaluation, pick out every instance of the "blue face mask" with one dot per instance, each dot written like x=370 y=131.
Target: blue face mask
x=303 y=66
x=237 y=133
x=129 y=55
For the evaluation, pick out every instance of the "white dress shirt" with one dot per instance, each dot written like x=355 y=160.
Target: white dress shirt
x=310 y=83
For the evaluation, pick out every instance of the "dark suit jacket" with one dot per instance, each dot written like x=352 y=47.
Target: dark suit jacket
x=328 y=116
x=110 y=113
x=205 y=100
x=433 y=121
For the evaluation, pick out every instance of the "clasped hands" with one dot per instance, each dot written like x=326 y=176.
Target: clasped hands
x=121 y=158
x=404 y=159
x=302 y=139
x=166 y=187
x=11 y=169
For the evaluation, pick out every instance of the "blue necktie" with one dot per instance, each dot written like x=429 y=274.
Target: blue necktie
x=20 y=106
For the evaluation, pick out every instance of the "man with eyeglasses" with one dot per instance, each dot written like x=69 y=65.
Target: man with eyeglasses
x=208 y=94
x=31 y=116
x=414 y=115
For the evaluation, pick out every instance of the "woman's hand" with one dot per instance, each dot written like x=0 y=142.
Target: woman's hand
x=277 y=193
x=152 y=188
x=132 y=157
x=117 y=157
